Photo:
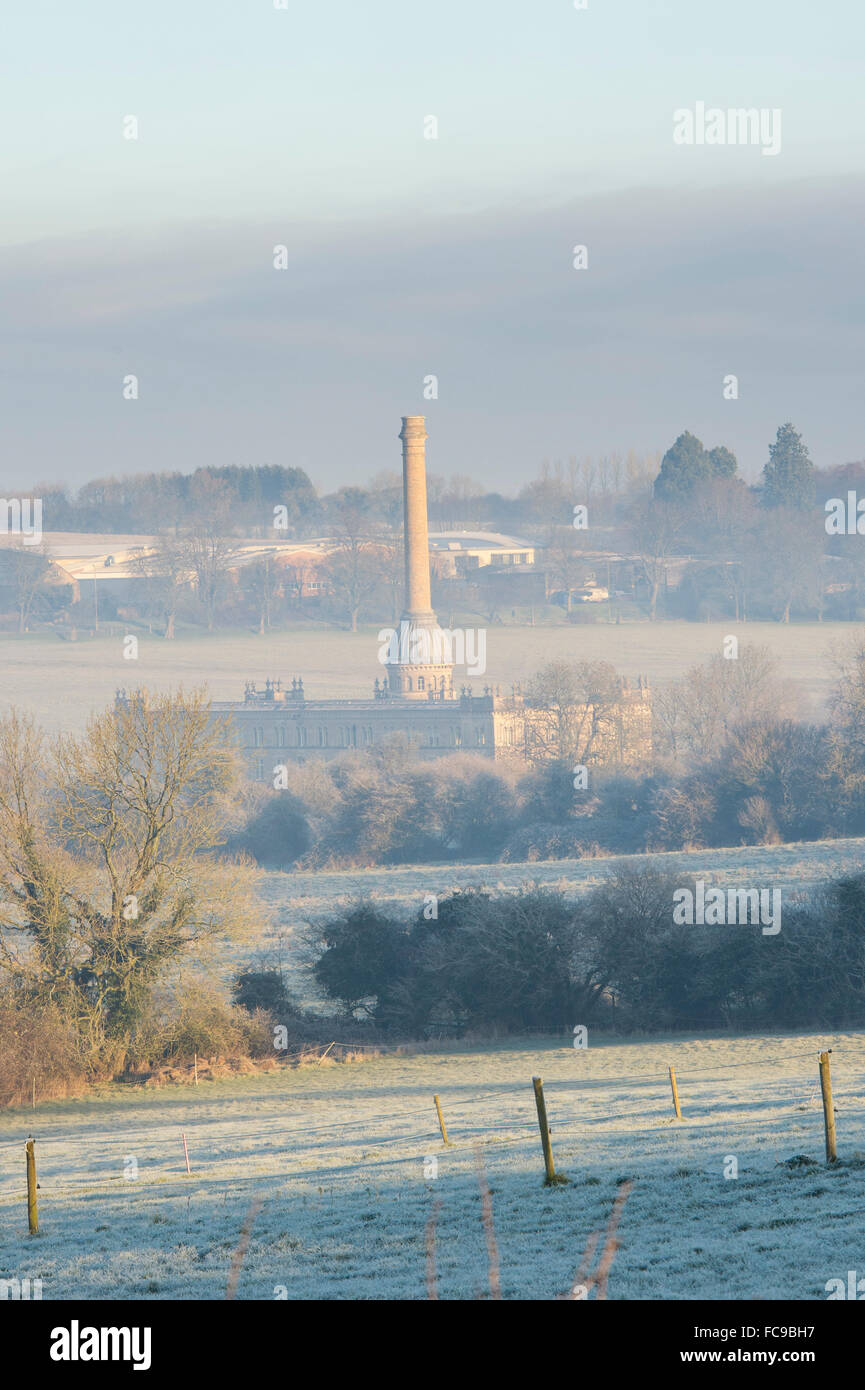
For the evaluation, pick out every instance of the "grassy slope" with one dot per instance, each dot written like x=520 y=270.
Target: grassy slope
x=338 y=1155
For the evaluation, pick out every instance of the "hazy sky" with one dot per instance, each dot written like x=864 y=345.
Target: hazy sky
x=408 y=256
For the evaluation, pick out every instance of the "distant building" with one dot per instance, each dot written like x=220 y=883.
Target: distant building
x=89 y=563
x=415 y=694
x=462 y=552
x=276 y=725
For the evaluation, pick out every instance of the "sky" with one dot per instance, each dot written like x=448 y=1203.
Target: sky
x=408 y=257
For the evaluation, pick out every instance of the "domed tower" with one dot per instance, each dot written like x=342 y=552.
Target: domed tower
x=420 y=666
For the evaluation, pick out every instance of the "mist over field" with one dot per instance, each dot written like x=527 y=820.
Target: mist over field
x=343 y=665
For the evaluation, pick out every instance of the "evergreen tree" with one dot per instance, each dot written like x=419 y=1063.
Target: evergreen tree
x=788 y=477
x=686 y=465
x=722 y=462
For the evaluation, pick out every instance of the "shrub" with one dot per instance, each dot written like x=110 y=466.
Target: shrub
x=203 y=1022
x=262 y=989
x=37 y=1043
x=278 y=833
x=536 y=959
x=363 y=956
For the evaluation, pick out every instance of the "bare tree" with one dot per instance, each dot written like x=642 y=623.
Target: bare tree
x=697 y=715
x=847 y=728
x=640 y=473
x=166 y=571
x=574 y=705
x=788 y=562
x=353 y=574
x=262 y=581
x=548 y=499
x=587 y=479
x=353 y=569
x=107 y=869
x=208 y=545
x=565 y=560
x=392 y=571
x=300 y=574
x=655 y=533
x=27 y=570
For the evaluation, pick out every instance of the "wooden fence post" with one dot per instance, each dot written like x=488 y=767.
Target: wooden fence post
x=32 y=1211
x=828 y=1108
x=441 y=1122
x=195 y=1065
x=676 y=1106
x=551 y=1176
x=185 y=1151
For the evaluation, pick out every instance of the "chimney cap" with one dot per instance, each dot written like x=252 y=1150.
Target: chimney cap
x=413 y=425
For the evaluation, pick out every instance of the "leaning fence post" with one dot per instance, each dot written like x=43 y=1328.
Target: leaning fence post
x=676 y=1106
x=551 y=1176
x=828 y=1107
x=32 y=1212
x=185 y=1151
x=441 y=1122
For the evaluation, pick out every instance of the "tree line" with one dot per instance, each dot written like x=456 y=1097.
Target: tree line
x=698 y=542
x=730 y=764
x=613 y=957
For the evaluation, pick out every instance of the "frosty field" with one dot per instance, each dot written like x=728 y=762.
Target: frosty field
x=339 y=1171
x=341 y=1158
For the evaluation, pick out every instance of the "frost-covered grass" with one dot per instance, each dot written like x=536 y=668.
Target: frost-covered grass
x=341 y=1156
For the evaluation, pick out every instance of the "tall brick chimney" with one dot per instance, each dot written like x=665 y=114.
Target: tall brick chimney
x=423 y=669
x=418 y=606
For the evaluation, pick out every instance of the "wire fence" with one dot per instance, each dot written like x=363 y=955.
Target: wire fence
x=386 y=1131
